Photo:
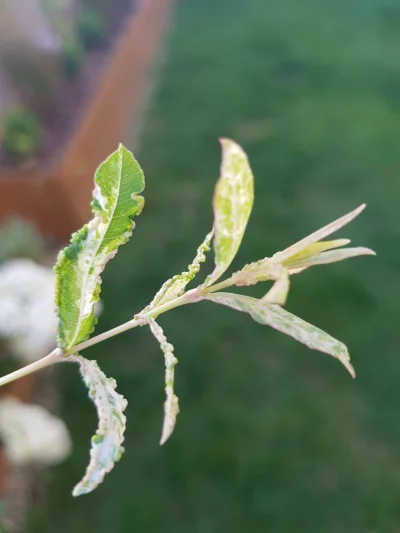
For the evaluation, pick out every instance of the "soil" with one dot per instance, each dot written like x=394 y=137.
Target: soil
x=72 y=95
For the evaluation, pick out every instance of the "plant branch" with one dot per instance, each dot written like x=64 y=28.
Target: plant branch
x=136 y=321
x=54 y=357
x=57 y=355
x=187 y=298
x=218 y=286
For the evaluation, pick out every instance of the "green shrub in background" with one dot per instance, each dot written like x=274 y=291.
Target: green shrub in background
x=20 y=238
x=72 y=57
x=92 y=28
x=20 y=137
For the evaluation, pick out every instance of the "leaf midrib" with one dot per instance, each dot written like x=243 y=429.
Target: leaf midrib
x=80 y=319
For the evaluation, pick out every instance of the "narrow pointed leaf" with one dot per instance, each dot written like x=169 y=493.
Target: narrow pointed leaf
x=175 y=286
x=107 y=442
x=171 y=405
x=280 y=319
x=329 y=257
x=317 y=248
x=318 y=235
x=233 y=202
x=118 y=182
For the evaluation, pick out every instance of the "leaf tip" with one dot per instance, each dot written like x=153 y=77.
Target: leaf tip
x=229 y=144
x=345 y=360
x=359 y=209
x=171 y=408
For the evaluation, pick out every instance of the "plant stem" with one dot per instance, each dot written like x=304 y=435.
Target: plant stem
x=54 y=357
x=104 y=336
x=222 y=285
x=57 y=355
x=187 y=298
x=153 y=313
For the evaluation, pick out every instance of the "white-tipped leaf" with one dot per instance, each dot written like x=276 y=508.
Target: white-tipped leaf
x=302 y=245
x=329 y=257
x=171 y=405
x=280 y=289
x=175 y=286
x=116 y=200
x=233 y=202
x=106 y=446
x=285 y=322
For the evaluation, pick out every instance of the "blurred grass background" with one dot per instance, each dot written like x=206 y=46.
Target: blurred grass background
x=271 y=437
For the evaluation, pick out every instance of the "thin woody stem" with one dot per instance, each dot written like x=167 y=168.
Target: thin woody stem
x=153 y=313
x=221 y=285
x=57 y=355
x=54 y=357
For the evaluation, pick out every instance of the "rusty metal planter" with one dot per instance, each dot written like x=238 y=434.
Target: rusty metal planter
x=56 y=197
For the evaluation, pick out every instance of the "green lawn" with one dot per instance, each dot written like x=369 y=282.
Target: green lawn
x=271 y=437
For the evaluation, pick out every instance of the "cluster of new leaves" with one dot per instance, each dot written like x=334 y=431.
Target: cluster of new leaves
x=118 y=183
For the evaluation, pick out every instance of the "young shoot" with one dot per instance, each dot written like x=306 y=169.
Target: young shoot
x=119 y=181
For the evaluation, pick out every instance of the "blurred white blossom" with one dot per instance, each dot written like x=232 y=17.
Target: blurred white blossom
x=30 y=434
x=27 y=318
x=27 y=311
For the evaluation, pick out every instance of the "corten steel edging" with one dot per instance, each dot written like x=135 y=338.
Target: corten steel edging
x=57 y=198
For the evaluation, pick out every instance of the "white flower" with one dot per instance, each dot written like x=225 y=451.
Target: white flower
x=30 y=434
x=27 y=317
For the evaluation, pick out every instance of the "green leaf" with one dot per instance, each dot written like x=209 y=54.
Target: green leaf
x=317 y=248
x=175 y=286
x=79 y=266
x=328 y=257
x=303 y=245
x=171 y=405
x=106 y=443
x=233 y=201
x=280 y=319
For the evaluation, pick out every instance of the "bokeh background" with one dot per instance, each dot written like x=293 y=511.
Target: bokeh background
x=271 y=437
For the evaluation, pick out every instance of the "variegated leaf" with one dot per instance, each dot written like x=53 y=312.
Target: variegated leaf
x=262 y=270
x=107 y=442
x=171 y=405
x=265 y=270
x=176 y=285
x=317 y=248
x=304 y=244
x=328 y=257
x=118 y=181
x=233 y=202
x=280 y=319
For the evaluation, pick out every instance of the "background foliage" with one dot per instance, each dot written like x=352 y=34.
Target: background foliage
x=271 y=437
